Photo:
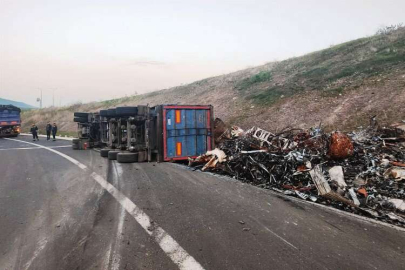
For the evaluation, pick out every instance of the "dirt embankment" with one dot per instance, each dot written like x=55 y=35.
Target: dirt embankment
x=340 y=87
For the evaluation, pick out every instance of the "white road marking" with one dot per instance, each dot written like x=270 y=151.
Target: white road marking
x=170 y=246
x=28 y=148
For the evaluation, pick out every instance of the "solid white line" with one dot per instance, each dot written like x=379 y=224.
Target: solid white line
x=170 y=246
x=28 y=148
x=74 y=161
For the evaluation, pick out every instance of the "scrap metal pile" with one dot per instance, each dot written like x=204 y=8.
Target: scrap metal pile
x=361 y=172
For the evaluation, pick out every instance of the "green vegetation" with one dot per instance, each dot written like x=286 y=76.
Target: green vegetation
x=316 y=72
x=111 y=102
x=328 y=71
x=202 y=82
x=349 y=68
x=267 y=97
x=262 y=76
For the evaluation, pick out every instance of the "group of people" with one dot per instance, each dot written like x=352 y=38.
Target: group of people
x=49 y=129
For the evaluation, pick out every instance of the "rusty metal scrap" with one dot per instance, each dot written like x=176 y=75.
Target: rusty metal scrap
x=341 y=146
x=360 y=172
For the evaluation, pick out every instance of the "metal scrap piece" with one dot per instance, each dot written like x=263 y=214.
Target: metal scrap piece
x=320 y=181
x=354 y=196
x=336 y=174
x=341 y=146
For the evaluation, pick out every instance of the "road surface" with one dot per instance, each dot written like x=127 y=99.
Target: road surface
x=67 y=209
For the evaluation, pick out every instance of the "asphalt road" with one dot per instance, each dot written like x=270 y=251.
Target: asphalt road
x=54 y=215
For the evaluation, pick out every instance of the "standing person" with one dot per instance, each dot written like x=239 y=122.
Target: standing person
x=54 y=130
x=34 y=131
x=48 y=131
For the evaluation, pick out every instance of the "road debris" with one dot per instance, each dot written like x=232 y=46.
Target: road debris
x=361 y=172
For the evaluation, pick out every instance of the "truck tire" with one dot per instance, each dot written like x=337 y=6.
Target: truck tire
x=81 y=119
x=104 y=113
x=111 y=112
x=75 y=141
x=127 y=157
x=126 y=111
x=112 y=155
x=81 y=114
x=75 y=146
x=104 y=152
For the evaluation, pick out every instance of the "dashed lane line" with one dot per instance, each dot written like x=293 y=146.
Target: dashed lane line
x=168 y=244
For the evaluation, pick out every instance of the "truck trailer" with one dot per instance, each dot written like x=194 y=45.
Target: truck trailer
x=159 y=133
x=10 y=121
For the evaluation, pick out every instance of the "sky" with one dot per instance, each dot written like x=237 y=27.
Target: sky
x=82 y=51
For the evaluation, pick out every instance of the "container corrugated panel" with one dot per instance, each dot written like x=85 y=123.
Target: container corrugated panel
x=186 y=131
x=9 y=117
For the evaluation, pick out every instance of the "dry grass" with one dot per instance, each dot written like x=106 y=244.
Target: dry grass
x=341 y=87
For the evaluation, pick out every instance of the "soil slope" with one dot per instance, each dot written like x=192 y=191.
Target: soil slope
x=340 y=87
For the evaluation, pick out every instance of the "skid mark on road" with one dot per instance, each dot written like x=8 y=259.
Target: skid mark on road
x=40 y=246
x=176 y=253
x=275 y=234
x=116 y=257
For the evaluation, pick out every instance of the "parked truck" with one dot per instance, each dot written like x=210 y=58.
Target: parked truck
x=159 y=133
x=10 y=121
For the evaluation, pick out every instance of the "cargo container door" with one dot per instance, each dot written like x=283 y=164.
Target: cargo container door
x=187 y=132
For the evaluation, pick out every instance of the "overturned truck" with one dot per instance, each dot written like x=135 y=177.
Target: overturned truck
x=143 y=133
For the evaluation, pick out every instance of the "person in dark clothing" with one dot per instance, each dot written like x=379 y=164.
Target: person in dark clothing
x=34 y=131
x=54 y=130
x=48 y=131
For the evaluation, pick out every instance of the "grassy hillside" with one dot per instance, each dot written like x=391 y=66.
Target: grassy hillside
x=341 y=86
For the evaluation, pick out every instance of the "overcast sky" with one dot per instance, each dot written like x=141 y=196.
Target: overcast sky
x=96 y=50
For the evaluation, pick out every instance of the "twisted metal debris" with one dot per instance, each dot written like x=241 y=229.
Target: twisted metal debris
x=362 y=172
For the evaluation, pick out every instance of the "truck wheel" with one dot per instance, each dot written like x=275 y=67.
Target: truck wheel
x=75 y=147
x=81 y=119
x=104 y=152
x=75 y=141
x=112 y=155
x=126 y=111
x=81 y=114
x=127 y=157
